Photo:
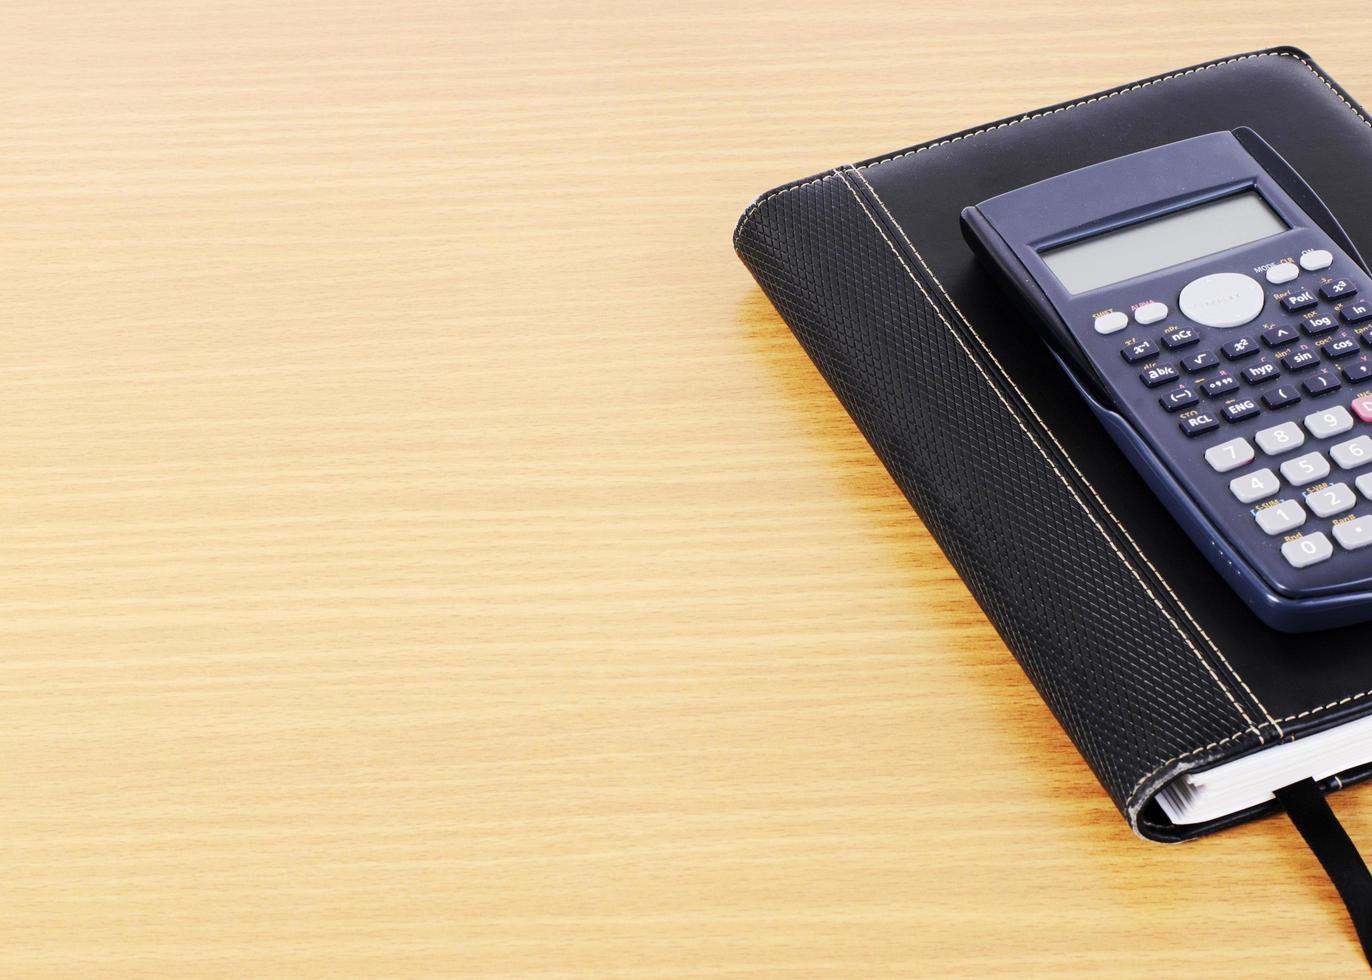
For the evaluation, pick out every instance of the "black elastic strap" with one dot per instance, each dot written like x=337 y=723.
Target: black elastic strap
x=1310 y=812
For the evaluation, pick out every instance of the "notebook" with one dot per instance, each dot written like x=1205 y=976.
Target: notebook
x=1190 y=711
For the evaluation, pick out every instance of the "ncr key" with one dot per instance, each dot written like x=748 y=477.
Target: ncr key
x=1182 y=337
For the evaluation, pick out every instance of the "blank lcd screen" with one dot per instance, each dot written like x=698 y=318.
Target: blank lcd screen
x=1161 y=242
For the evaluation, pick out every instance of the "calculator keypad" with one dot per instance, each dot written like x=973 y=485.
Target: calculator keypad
x=1273 y=391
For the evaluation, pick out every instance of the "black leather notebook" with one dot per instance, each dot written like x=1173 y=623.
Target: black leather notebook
x=1146 y=657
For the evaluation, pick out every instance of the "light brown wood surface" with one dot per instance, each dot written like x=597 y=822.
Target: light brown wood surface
x=425 y=553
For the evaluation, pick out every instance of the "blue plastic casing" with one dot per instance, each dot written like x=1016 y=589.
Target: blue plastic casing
x=1009 y=232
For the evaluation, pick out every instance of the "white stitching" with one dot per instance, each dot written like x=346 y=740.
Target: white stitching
x=1108 y=95
x=1128 y=800
x=1292 y=717
x=1048 y=459
x=1072 y=463
x=747 y=215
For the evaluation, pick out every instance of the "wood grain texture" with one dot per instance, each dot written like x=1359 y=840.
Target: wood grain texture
x=426 y=554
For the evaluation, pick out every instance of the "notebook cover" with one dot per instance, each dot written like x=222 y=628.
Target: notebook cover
x=1145 y=656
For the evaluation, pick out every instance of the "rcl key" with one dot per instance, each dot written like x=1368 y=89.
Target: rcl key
x=1199 y=424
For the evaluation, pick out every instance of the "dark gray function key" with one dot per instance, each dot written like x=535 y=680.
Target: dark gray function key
x=1220 y=385
x=1356 y=312
x=1241 y=348
x=1199 y=361
x=1317 y=325
x=1141 y=351
x=1282 y=333
x=1159 y=375
x=1299 y=301
x=1281 y=396
x=1340 y=345
x=1359 y=370
x=1237 y=411
x=1181 y=337
x=1265 y=371
x=1178 y=398
x=1199 y=424
x=1321 y=384
x=1299 y=359
x=1337 y=288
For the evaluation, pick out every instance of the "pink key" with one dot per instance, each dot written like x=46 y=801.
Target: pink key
x=1362 y=408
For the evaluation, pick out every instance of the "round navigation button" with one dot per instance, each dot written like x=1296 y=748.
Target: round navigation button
x=1224 y=299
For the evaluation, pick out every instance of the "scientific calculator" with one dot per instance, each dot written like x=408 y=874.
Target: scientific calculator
x=1219 y=323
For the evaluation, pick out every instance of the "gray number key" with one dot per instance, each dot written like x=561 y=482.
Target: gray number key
x=1254 y=486
x=1309 y=549
x=1305 y=470
x=1354 y=534
x=1353 y=453
x=1331 y=422
x=1281 y=438
x=1229 y=455
x=1280 y=518
x=1330 y=501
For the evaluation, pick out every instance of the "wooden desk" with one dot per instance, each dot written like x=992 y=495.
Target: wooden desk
x=425 y=553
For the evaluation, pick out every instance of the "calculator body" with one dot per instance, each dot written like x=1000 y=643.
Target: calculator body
x=1218 y=322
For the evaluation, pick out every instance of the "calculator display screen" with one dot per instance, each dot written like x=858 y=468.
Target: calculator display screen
x=1169 y=240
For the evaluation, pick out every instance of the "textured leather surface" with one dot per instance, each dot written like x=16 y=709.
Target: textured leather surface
x=1147 y=659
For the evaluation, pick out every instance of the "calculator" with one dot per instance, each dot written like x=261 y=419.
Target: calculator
x=1218 y=322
